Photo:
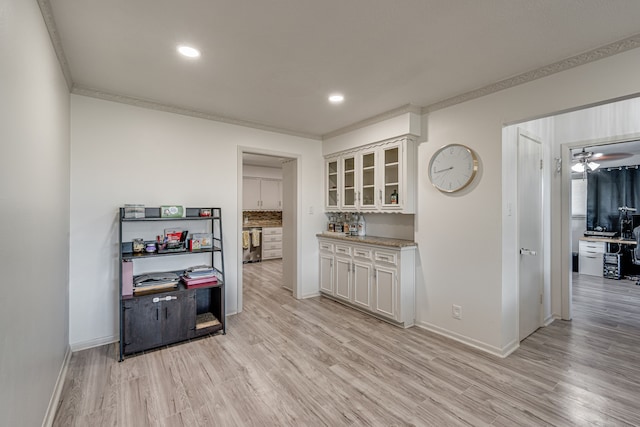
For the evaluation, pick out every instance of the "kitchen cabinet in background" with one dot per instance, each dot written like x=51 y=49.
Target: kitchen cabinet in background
x=271 y=242
x=261 y=194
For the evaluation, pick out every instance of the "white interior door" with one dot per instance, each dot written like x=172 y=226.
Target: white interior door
x=530 y=230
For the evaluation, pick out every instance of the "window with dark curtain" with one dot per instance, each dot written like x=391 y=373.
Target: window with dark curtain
x=608 y=190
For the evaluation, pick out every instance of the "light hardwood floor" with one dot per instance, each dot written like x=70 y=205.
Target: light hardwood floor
x=317 y=363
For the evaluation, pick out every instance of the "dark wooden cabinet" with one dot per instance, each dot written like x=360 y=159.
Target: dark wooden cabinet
x=170 y=316
x=158 y=319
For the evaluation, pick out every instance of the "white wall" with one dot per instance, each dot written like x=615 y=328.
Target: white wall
x=34 y=215
x=448 y=240
x=261 y=172
x=407 y=123
x=125 y=154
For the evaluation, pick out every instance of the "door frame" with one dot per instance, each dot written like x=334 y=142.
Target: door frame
x=565 y=200
x=296 y=288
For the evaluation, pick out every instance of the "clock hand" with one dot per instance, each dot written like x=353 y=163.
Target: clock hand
x=442 y=170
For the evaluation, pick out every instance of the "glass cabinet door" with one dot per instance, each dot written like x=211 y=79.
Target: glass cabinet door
x=367 y=192
x=331 y=169
x=391 y=192
x=349 y=182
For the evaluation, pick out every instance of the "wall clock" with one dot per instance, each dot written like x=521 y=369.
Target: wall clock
x=453 y=167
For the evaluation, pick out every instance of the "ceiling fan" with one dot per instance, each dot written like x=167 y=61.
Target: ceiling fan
x=586 y=160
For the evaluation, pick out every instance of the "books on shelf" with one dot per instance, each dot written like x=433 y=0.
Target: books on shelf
x=199 y=271
x=199 y=281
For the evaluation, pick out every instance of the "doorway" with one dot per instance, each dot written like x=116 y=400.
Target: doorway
x=278 y=174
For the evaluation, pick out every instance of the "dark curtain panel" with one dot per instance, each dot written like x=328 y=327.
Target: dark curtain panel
x=607 y=190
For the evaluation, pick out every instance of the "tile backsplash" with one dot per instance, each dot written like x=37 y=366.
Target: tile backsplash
x=262 y=215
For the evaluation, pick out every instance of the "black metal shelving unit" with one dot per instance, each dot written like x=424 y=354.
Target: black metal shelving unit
x=161 y=318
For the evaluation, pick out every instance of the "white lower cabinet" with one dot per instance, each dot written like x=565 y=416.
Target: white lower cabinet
x=375 y=279
x=271 y=242
x=343 y=277
x=590 y=257
x=362 y=275
x=326 y=273
x=385 y=285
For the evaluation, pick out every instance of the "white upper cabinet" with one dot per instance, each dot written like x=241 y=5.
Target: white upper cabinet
x=250 y=193
x=331 y=190
x=349 y=191
x=377 y=177
x=271 y=194
x=261 y=194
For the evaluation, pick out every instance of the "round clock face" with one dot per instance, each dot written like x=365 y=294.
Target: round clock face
x=452 y=168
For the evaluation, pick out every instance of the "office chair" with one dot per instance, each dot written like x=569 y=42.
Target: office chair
x=635 y=252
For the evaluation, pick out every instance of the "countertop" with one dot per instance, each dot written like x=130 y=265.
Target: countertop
x=261 y=223
x=371 y=240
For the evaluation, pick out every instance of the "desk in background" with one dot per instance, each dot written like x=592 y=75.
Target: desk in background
x=592 y=250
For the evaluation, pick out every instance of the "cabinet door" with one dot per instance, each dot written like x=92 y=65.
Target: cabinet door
x=250 y=193
x=178 y=314
x=142 y=324
x=343 y=277
x=326 y=273
x=385 y=291
x=362 y=273
x=270 y=194
x=348 y=182
x=367 y=174
x=391 y=193
x=332 y=190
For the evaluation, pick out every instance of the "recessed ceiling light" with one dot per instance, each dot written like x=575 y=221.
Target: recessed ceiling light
x=336 y=98
x=189 y=51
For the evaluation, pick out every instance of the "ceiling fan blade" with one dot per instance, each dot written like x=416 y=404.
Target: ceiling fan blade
x=610 y=156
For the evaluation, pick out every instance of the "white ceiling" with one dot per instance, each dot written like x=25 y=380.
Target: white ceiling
x=274 y=62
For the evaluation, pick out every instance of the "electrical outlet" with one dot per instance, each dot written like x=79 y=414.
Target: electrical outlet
x=456 y=312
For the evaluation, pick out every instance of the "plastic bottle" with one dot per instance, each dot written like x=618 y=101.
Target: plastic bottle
x=394 y=197
x=353 y=227
x=361 y=226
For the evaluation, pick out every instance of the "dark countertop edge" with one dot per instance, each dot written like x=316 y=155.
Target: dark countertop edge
x=371 y=240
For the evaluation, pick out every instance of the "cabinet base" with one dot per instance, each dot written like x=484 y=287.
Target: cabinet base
x=402 y=325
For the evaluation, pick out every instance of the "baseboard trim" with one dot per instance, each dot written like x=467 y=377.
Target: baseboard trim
x=549 y=320
x=313 y=295
x=50 y=415
x=496 y=351
x=96 y=342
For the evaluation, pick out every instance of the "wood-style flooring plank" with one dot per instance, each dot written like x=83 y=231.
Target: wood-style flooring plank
x=315 y=362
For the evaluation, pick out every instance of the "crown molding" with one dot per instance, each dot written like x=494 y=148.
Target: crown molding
x=153 y=105
x=563 y=65
x=50 y=23
x=407 y=108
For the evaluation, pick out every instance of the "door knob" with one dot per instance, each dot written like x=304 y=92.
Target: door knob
x=524 y=251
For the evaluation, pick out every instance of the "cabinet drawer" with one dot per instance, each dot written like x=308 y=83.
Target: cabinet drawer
x=272 y=253
x=326 y=247
x=586 y=246
x=268 y=231
x=362 y=253
x=272 y=238
x=385 y=256
x=271 y=245
x=342 y=249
